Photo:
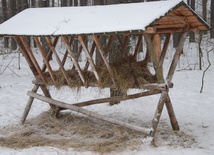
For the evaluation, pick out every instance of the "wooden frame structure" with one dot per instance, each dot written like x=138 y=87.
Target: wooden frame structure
x=179 y=19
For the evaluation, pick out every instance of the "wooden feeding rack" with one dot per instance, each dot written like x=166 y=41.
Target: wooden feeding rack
x=85 y=25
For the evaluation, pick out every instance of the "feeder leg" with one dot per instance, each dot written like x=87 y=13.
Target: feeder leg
x=29 y=104
x=171 y=113
x=158 y=112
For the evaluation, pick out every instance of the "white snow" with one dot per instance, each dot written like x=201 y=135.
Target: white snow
x=86 y=20
x=194 y=110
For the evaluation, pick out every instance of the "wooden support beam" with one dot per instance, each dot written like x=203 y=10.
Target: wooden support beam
x=171 y=114
x=34 y=71
x=150 y=30
x=102 y=53
x=151 y=48
x=89 y=58
x=48 y=39
x=117 y=98
x=158 y=112
x=66 y=52
x=109 y=44
x=150 y=86
x=137 y=47
x=147 y=131
x=29 y=104
x=49 y=55
x=26 y=55
x=46 y=61
x=164 y=50
x=176 y=57
x=91 y=54
x=74 y=60
x=124 y=45
x=157 y=45
x=33 y=59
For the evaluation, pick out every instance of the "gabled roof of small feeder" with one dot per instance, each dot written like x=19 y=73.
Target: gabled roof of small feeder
x=150 y=17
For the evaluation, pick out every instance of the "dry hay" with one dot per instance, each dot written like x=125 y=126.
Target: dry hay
x=72 y=130
x=127 y=74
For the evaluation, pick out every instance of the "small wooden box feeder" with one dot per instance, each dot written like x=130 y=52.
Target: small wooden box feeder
x=117 y=23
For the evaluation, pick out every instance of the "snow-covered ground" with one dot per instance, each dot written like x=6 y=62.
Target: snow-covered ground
x=194 y=110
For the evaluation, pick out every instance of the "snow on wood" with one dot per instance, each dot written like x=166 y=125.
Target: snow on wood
x=86 y=20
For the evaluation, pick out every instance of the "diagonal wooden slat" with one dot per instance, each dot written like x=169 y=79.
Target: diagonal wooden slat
x=66 y=52
x=91 y=54
x=74 y=60
x=79 y=52
x=26 y=55
x=46 y=61
x=33 y=59
x=165 y=47
x=90 y=60
x=102 y=53
x=109 y=44
x=137 y=47
x=48 y=39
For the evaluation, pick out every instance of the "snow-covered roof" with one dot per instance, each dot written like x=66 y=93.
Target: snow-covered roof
x=88 y=19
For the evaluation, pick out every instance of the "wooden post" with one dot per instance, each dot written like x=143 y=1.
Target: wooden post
x=29 y=104
x=154 y=58
x=157 y=45
x=34 y=71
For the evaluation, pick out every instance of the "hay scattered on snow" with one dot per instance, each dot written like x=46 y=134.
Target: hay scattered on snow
x=72 y=130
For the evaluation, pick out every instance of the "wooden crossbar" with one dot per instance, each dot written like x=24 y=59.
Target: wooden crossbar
x=146 y=131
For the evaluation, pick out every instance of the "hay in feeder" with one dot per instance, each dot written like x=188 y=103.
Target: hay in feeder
x=126 y=71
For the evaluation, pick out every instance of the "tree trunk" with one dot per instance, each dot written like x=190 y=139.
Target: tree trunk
x=11 y=13
x=192 y=34
x=44 y=3
x=212 y=19
x=204 y=10
x=33 y=3
x=24 y=4
x=64 y=3
x=4 y=18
